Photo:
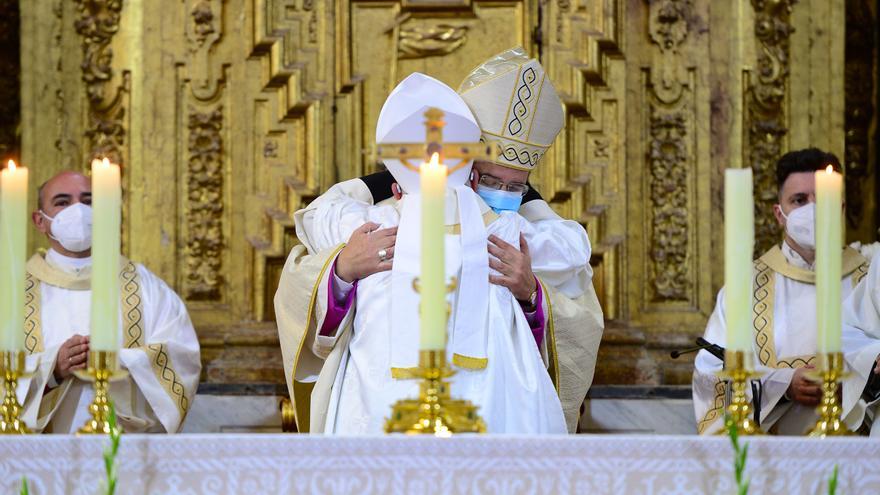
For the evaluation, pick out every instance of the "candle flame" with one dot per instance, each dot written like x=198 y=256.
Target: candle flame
x=829 y=169
x=11 y=165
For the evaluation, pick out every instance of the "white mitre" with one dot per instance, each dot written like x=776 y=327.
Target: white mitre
x=516 y=106
x=402 y=120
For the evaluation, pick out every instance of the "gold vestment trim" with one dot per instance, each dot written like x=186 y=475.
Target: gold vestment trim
x=405 y=373
x=302 y=398
x=469 y=362
x=130 y=284
x=764 y=291
x=33 y=331
x=774 y=258
x=552 y=355
x=717 y=406
x=131 y=299
x=160 y=361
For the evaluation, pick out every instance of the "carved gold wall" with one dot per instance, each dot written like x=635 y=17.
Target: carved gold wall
x=229 y=115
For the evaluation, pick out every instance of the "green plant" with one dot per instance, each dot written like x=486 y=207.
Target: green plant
x=740 y=454
x=111 y=451
x=832 y=482
x=24 y=486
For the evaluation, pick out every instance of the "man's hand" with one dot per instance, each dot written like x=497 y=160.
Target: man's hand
x=803 y=390
x=514 y=265
x=360 y=257
x=72 y=355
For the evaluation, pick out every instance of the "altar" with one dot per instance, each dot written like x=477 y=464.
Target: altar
x=284 y=463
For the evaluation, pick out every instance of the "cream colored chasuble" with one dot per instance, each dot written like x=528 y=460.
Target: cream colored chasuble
x=784 y=338
x=159 y=348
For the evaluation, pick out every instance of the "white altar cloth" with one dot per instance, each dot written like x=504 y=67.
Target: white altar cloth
x=254 y=464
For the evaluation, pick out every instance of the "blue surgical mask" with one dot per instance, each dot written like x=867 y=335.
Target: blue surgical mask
x=499 y=200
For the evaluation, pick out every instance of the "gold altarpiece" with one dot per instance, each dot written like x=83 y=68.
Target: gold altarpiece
x=229 y=115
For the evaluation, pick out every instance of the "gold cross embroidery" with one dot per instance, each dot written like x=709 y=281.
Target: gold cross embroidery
x=434 y=124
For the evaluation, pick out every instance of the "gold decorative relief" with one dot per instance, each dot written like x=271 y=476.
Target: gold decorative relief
x=97 y=23
x=766 y=113
x=859 y=96
x=668 y=165
x=204 y=215
x=203 y=22
x=427 y=41
x=669 y=154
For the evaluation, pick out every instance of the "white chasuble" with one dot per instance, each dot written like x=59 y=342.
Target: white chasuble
x=159 y=350
x=500 y=369
x=784 y=338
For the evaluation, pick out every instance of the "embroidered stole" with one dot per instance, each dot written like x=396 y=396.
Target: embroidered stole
x=38 y=272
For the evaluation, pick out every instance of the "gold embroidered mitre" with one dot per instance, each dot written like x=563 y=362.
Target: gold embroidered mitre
x=516 y=106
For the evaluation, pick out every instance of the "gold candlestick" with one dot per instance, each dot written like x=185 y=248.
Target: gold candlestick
x=12 y=366
x=739 y=412
x=103 y=367
x=435 y=412
x=829 y=410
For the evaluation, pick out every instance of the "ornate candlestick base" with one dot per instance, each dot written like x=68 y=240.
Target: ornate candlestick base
x=12 y=367
x=739 y=412
x=103 y=367
x=434 y=412
x=830 y=423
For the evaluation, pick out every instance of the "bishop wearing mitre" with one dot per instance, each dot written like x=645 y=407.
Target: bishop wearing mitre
x=159 y=348
x=526 y=368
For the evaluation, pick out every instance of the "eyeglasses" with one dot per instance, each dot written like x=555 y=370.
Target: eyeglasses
x=493 y=182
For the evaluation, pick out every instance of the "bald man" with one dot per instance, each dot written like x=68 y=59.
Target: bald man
x=159 y=348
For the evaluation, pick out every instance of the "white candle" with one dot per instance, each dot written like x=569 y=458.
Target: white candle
x=106 y=222
x=739 y=242
x=432 y=280
x=829 y=256
x=13 y=239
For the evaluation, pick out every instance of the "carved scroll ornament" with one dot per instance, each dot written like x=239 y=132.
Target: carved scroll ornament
x=203 y=252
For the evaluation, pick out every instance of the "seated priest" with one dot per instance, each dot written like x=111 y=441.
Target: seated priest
x=784 y=317
x=501 y=300
x=159 y=348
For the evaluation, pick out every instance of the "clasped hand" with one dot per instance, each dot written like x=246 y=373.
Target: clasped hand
x=514 y=265
x=361 y=257
x=72 y=355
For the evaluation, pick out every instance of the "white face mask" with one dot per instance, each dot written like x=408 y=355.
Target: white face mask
x=800 y=225
x=72 y=227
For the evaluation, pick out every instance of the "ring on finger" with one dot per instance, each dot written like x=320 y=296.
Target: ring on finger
x=383 y=255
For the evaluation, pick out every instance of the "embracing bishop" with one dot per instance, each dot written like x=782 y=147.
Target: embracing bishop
x=525 y=323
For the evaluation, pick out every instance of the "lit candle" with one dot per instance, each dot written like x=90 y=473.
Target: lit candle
x=739 y=242
x=432 y=281
x=106 y=219
x=13 y=238
x=829 y=254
